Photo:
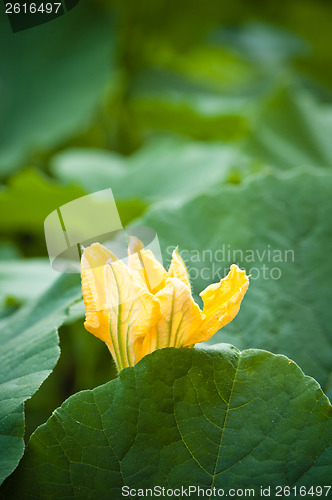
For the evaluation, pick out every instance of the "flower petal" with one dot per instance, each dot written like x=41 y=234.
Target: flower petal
x=96 y=255
x=133 y=312
x=96 y=317
x=148 y=270
x=93 y=261
x=180 y=317
x=118 y=309
x=178 y=269
x=222 y=302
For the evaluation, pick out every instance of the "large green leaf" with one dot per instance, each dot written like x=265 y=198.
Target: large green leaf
x=53 y=77
x=28 y=352
x=282 y=222
x=217 y=418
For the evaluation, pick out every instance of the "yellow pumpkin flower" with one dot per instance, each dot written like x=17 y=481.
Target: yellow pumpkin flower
x=140 y=307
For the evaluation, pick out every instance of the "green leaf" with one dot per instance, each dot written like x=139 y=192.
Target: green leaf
x=16 y=273
x=29 y=188
x=28 y=353
x=217 y=418
x=92 y=169
x=30 y=198
x=281 y=222
x=262 y=43
x=164 y=169
x=8 y=250
x=293 y=130
x=206 y=91
x=207 y=117
x=53 y=78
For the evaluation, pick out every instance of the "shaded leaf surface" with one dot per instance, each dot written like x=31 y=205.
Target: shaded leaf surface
x=28 y=352
x=219 y=418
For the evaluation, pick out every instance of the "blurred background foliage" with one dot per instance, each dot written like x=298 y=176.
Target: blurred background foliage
x=162 y=101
